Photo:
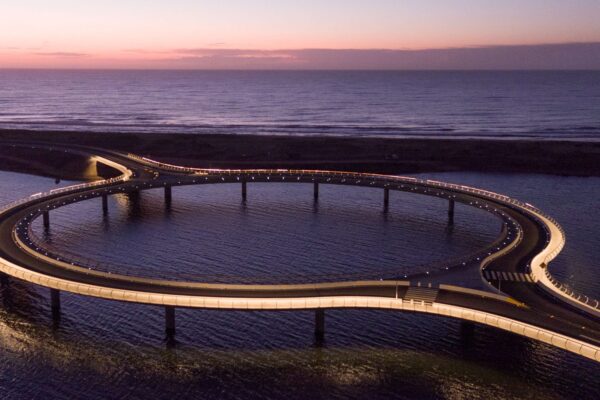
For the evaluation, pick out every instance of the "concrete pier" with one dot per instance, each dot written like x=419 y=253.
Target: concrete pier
x=55 y=300
x=316 y=190
x=46 y=217
x=451 y=212
x=244 y=190
x=3 y=280
x=386 y=198
x=168 y=195
x=319 y=324
x=170 y=321
x=104 y=203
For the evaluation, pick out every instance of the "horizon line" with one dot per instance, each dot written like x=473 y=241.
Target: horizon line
x=550 y=56
x=302 y=69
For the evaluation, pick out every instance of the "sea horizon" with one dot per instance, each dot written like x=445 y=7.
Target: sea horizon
x=460 y=104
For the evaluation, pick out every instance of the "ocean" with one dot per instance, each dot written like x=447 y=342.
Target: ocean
x=486 y=104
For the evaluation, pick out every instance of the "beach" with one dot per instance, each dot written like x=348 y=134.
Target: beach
x=377 y=155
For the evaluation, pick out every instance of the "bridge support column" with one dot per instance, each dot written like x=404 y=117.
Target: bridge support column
x=316 y=190
x=55 y=300
x=170 y=321
x=168 y=195
x=451 y=212
x=104 y=203
x=244 y=190
x=320 y=324
x=3 y=280
x=386 y=198
x=46 y=217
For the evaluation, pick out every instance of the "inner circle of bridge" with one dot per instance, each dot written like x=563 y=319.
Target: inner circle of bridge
x=400 y=272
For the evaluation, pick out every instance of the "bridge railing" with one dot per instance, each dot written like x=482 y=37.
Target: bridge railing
x=569 y=291
x=562 y=287
x=162 y=165
x=347 y=175
x=65 y=189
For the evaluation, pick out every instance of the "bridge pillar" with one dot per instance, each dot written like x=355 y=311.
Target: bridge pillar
x=320 y=324
x=46 y=217
x=170 y=321
x=244 y=191
x=451 y=212
x=3 y=280
x=386 y=198
x=105 y=203
x=55 y=300
x=168 y=195
x=316 y=190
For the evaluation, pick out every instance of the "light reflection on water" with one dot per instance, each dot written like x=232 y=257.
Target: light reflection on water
x=107 y=349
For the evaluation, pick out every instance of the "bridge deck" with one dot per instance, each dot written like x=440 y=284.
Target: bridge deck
x=525 y=238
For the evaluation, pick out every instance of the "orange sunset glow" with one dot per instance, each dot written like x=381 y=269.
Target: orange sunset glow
x=240 y=34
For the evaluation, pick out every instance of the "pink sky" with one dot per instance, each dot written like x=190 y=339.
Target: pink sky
x=350 y=34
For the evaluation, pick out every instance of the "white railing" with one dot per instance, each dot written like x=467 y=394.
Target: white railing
x=162 y=165
x=549 y=254
x=125 y=176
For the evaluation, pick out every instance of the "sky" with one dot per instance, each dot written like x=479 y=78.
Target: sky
x=308 y=34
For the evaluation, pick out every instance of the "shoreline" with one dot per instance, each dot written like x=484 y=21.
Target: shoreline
x=377 y=155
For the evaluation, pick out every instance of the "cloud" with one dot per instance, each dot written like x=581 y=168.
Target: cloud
x=61 y=54
x=233 y=53
x=534 y=57
x=551 y=56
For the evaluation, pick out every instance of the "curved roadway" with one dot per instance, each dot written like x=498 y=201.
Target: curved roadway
x=529 y=241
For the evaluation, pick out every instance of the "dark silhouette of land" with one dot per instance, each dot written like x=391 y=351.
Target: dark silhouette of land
x=380 y=155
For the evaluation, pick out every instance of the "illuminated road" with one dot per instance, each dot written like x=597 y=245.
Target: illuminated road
x=531 y=303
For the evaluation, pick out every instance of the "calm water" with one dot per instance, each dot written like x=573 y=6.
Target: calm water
x=105 y=349
x=448 y=104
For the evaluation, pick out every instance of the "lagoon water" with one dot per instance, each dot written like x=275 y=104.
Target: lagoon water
x=103 y=349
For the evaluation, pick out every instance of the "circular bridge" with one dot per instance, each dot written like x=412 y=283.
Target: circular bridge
x=532 y=303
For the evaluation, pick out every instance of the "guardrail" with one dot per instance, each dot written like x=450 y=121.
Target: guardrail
x=162 y=165
x=486 y=194
x=566 y=289
x=549 y=255
x=562 y=287
x=425 y=269
x=66 y=189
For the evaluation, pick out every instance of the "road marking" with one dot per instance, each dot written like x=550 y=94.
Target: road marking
x=507 y=276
